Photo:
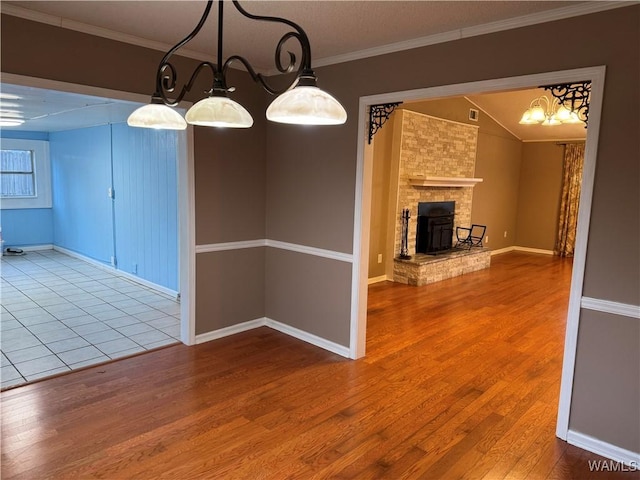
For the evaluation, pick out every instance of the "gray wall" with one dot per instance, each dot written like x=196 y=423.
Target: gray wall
x=230 y=288
x=308 y=292
x=310 y=172
x=607 y=379
x=230 y=199
x=539 y=195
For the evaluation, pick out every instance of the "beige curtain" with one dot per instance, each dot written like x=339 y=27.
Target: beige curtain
x=570 y=199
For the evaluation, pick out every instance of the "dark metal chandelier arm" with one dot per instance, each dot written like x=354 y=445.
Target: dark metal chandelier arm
x=168 y=83
x=258 y=77
x=300 y=34
x=292 y=58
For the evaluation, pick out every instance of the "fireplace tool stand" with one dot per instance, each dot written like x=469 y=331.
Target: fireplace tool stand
x=404 y=249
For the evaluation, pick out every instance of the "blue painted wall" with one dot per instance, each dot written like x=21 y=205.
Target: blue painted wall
x=81 y=177
x=140 y=225
x=24 y=135
x=27 y=227
x=146 y=216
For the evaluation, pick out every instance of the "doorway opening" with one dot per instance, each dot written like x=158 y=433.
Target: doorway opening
x=363 y=206
x=135 y=279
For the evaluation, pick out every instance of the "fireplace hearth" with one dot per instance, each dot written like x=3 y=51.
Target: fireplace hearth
x=435 y=227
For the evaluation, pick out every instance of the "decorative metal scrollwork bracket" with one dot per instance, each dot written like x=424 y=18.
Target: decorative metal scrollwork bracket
x=378 y=114
x=573 y=96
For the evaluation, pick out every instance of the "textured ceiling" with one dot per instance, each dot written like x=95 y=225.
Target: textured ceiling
x=334 y=28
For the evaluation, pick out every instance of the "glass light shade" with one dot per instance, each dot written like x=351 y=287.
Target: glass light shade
x=526 y=119
x=219 y=112
x=563 y=114
x=157 y=116
x=306 y=105
x=551 y=120
x=538 y=114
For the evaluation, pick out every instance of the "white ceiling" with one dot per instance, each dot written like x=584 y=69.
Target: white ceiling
x=52 y=111
x=338 y=30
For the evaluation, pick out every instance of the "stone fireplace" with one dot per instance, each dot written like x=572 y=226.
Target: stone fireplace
x=438 y=152
x=435 y=182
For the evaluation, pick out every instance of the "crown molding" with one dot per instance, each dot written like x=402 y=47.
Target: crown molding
x=509 y=24
x=517 y=22
x=62 y=22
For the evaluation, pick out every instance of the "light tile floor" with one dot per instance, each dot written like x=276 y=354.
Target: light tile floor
x=60 y=313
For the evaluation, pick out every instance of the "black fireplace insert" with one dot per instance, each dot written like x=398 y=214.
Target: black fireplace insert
x=435 y=227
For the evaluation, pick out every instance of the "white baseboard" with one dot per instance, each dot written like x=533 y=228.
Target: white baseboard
x=281 y=327
x=134 y=278
x=502 y=250
x=533 y=250
x=31 y=248
x=309 y=338
x=591 y=444
x=381 y=278
x=159 y=288
x=515 y=248
x=232 y=330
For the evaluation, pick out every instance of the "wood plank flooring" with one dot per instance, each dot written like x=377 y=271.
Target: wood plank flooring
x=460 y=381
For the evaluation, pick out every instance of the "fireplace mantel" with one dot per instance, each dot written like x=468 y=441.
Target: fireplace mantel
x=443 y=181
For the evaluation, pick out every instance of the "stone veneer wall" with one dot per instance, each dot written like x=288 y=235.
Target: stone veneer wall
x=435 y=148
x=435 y=269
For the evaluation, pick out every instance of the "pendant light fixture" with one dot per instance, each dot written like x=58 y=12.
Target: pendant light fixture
x=543 y=111
x=301 y=102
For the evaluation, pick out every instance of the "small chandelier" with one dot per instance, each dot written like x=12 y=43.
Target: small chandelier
x=548 y=112
x=301 y=102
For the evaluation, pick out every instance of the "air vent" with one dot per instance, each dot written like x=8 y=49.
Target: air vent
x=473 y=114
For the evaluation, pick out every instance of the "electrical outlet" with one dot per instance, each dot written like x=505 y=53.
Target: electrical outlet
x=505 y=234
x=379 y=258
x=486 y=239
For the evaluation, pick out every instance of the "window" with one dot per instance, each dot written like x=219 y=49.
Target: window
x=25 y=174
x=17 y=175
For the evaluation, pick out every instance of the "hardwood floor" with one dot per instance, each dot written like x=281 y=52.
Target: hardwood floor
x=461 y=380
